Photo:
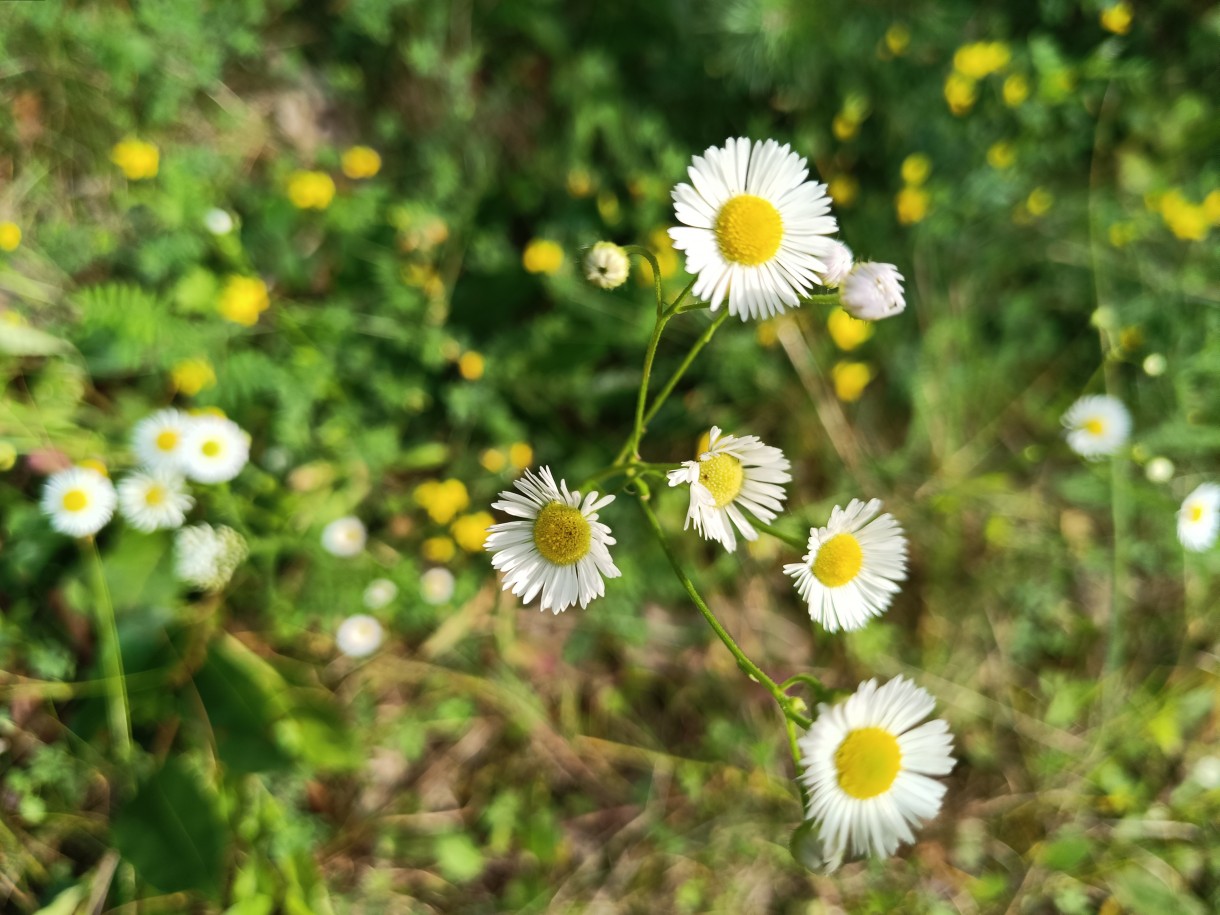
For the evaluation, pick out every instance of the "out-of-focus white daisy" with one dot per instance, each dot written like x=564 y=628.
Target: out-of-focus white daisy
x=154 y=500
x=1199 y=518
x=214 y=449
x=866 y=766
x=559 y=550
x=853 y=566
x=754 y=229
x=436 y=586
x=157 y=439
x=734 y=473
x=359 y=635
x=344 y=536
x=1097 y=425
x=607 y=265
x=206 y=557
x=839 y=262
x=1159 y=470
x=79 y=501
x=217 y=221
x=872 y=291
x=379 y=592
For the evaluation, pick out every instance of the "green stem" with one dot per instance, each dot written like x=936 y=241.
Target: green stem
x=820 y=691
x=827 y=298
x=656 y=272
x=112 y=658
x=625 y=470
x=631 y=449
x=748 y=666
x=793 y=540
x=795 y=749
x=664 y=393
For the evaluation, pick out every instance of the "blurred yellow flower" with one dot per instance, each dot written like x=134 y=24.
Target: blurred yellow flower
x=662 y=248
x=95 y=465
x=1211 y=207
x=190 y=376
x=310 y=190
x=361 y=162
x=442 y=500
x=981 y=58
x=8 y=456
x=10 y=236
x=243 y=299
x=1039 y=201
x=843 y=190
x=1122 y=234
x=850 y=379
x=520 y=455
x=608 y=207
x=897 y=38
x=767 y=333
x=960 y=92
x=1016 y=90
x=493 y=460
x=471 y=530
x=1001 y=155
x=915 y=168
x=580 y=183
x=844 y=128
x=847 y=332
x=1117 y=18
x=136 y=159
x=912 y=205
x=542 y=256
x=438 y=549
x=470 y=365
x=1189 y=222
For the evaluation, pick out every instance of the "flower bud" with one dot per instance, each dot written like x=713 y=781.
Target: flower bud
x=606 y=265
x=872 y=291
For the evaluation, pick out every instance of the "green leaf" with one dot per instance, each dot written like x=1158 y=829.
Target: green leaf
x=241 y=711
x=1138 y=890
x=1066 y=852
x=458 y=858
x=315 y=731
x=172 y=833
x=29 y=341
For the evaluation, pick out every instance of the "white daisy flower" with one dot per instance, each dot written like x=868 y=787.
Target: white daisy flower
x=839 y=262
x=345 y=536
x=79 y=501
x=872 y=291
x=379 y=592
x=866 y=767
x=734 y=473
x=214 y=449
x=154 y=500
x=436 y=586
x=754 y=229
x=206 y=557
x=359 y=635
x=157 y=439
x=1199 y=518
x=1097 y=425
x=1159 y=470
x=218 y=221
x=853 y=566
x=607 y=265
x=560 y=549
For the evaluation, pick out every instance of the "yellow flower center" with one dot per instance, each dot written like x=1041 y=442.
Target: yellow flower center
x=1195 y=514
x=167 y=440
x=75 y=500
x=561 y=534
x=154 y=495
x=210 y=448
x=868 y=761
x=723 y=476
x=1094 y=426
x=749 y=230
x=838 y=561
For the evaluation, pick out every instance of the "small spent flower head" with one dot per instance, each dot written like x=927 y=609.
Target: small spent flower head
x=872 y=291
x=607 y=265
x=206 y=557
x=345 y=537
x=359 y=635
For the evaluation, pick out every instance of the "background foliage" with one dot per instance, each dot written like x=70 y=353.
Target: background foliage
x=1054 y=232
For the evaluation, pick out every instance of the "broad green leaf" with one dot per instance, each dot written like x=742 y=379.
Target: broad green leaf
x=1139 y=890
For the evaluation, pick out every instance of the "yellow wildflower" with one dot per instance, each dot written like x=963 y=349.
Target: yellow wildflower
x=843 y=190
x=542 y=256
x=493 y=460
x=471 y=530
x=1189 y=223
x=438 y=549
x=95 y=465
x=847 y=332
x=915 y=168
x=844 y=127
x=897 y=38
x=850 y=379
x=608 y=208
x=136 y=159
x=580 y=183
x=767 y=333
x=1001 y=155
x=1015 y=90
x=190 y=376
x=8 y=456
x=361 y=162
x=311 y=190
x=243 y=299
x=1039 y=201
x=960 y=92
x=911 y=204
x=662 y=248
x=980 y=59
x=442 y=500
x=1122 y=234
x=1117 y=18
x=520 y=455
x=10 y=236
x=470 y=365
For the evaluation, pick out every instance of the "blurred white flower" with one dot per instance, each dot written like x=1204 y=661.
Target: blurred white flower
x=379 y=592
x=1199 y=518
x=1206 y=772
x=1097 y=425
x=872 y=291
x=1159 y=470
x=838 y=264
x=214 y=449
x=607 y=265
x=79 y=501
x=1155 y=365
x=154 y=500
x=206 y=557
x=359 y=635
x=344 y=536
x=436 y=586
x=157 y=439
x=218 y=222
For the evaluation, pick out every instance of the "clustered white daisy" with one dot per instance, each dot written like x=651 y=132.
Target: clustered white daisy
x=1199 y=518
x=206 y=557
x=558 y=549
x=1097 y=425
x=154 y=499
x=79 y=501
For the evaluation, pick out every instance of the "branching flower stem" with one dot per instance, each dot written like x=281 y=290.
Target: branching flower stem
x=112 y=658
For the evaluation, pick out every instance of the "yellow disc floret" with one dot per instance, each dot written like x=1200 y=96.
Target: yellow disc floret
x=167 y=440
x=722 y=476
x=749 y=230
x=210 y=448
x=838 y=561
x=1195 y=514
x=867 y=762
x=154 y=495
x=1094 y=426
x=75 y=500
x=561 y=534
